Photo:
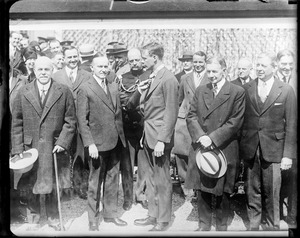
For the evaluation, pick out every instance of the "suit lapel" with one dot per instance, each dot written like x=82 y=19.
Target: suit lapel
x=32 y=96
x=273 y=95
x=14 y=81
x=66 y=78
x=96 y=88
x=252 y=94
x=155 y=82
x=54 y=94
x=190 y=82
x=78 y=80
x=113 y=90
x=221 y=98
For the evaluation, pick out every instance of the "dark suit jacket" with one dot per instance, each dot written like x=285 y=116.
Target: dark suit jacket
x=99 y=117
x=16 y=83
x=160 y=111
x=179 y=75
x=220 y=118
x=274 y=127
x=187 y=89
x=35 y=127
x=238 y=82
x=82 y=76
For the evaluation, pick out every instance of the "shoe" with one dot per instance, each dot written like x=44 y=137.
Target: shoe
x=55 y=224
x=203 y=229
x=160 y=226
x=145 y=221
x=93 y=226
x=127 y=205
x=144 y=203
x=82 y=194
x=116 y=221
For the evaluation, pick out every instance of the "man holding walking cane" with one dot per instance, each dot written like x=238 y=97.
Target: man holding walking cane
x=43 y=117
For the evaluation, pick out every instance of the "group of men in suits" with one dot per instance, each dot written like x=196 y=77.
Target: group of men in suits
x=110 y=120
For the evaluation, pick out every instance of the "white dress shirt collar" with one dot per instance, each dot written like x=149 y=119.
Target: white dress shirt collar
x=220 y=85
x=68 y=70
x=44 y=87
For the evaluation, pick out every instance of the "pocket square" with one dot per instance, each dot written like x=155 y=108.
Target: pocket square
x=277 y=103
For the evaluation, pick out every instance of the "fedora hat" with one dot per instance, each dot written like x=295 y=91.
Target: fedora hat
x=186 y=55
x=211 y=162
x=86 y=50
x=25 y=164
x=119 y=48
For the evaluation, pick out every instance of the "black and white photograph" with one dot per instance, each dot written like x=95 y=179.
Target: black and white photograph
x=150 y=118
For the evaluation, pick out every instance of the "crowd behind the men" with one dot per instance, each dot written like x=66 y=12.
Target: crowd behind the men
x=128 y=109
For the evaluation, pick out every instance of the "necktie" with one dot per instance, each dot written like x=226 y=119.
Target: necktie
x=263 y=92
x=103 y=85
x=43 y=95
x=215 y=89
x=284 y=79
x=71 y=76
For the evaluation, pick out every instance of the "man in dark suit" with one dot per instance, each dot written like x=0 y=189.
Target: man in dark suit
x=244 y=68
x=16 y=60
x=214 y=118
x=187 y=62
x=74 y=77
x=133 y=129
x=182 y=142
x=44 y=45
x=287 y=74
x=43 y=117
x=86 y=52
x=159 y=105
x=99 y=115
x=268 y=141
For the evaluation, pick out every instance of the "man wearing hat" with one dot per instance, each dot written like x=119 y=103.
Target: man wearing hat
x=44 y=45
x=66 y=44
x=214 y=118
x=120 y=55
x=86 y=52
x=30 y=57
x=268 y=142
x=43 y=117
x=187 y=61
x=109 y=53
x=182 y=140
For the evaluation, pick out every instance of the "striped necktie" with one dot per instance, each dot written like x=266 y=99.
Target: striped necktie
x=43 y=95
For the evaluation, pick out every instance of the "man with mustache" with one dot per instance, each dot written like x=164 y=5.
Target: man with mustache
x=133 y=129
x=73 y=77
x=244 y=68
x=43 y=117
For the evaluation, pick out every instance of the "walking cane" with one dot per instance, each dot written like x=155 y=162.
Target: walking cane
x=58 y=196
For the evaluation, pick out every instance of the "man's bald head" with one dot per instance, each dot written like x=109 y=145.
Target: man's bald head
x=244 y=68
x=135 y=59
x=99 y=66
x=43 y=69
